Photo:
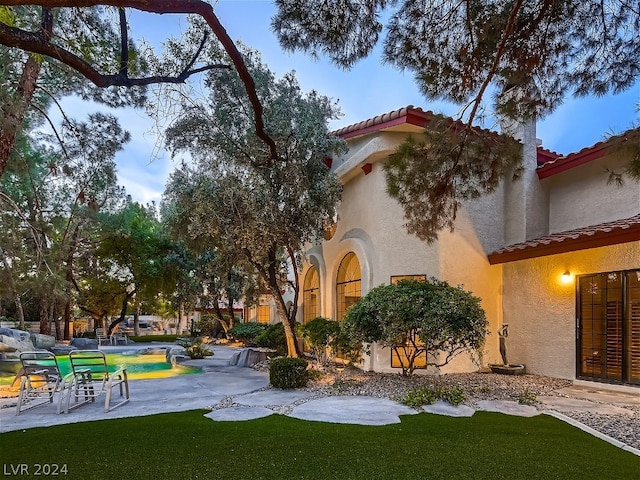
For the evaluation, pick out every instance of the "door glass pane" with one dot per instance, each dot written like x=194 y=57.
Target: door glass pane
x=633 y=337
x=601 y=326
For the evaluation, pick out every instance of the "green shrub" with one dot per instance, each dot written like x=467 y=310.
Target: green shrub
x=453 y=394
x=444 y=319
x=313 y=374
x=247 y=332
x=194 y=347
x=527 y=397
x=424 y=395
x=419 y=396
x=285 y=372
x=274 y=338
x=346 y=346
x=319 y=334
x=209 y=325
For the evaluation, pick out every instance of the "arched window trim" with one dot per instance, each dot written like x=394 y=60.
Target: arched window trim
x=348 y=281
x=311 y=302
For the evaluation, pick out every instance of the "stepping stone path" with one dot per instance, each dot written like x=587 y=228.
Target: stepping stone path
x=563 y=404
x=271 y=397
x=445 y=408
x=508 y=407
x=241 y=413
x=352 y=409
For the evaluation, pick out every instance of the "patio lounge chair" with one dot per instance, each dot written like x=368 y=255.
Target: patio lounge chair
x=41 y=379
x=101 y=336
x=90 y=378
x=118 y=338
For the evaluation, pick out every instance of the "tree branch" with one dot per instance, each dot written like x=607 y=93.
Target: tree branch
x=508 y=30
x=196 y=7
x=33 y=42
x=124 y=43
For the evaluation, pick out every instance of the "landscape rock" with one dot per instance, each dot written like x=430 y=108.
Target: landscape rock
x=85 y=343
x=175 y=353
x=41 y=341
x=62 y=349
x=18 y=340
x=247 y=357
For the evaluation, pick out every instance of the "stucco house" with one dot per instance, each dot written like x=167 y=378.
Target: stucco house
x=555 y=255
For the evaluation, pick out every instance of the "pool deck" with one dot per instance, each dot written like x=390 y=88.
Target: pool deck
x=245 y=394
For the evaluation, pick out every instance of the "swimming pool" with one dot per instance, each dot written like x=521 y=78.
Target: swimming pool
x=139 y=366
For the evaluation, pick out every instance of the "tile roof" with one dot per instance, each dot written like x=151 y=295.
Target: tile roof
x=551 y=163
x=406 y=115
x=603 y=234
x=395 y=117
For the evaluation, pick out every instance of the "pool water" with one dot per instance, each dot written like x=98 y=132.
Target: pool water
x=139 y=367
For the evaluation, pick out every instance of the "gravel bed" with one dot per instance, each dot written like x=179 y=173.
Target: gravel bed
x=477 y=387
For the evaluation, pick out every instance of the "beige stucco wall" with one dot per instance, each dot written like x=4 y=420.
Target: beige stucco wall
x=541 y=310
x=581 y=196
x=527 y=294
x=371 y=224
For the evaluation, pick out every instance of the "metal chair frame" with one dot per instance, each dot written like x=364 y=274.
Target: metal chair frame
x=41 y=380
x=90 y=378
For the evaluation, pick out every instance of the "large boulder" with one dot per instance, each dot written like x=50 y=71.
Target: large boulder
x=174 y=353
x=45 y=342
x=85 y=343
x=247 y=357
x=14 y=341
x=62 y=349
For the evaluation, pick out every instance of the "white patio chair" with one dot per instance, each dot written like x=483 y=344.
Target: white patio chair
x=41 y=380
x=90 y=378
x=101 y=336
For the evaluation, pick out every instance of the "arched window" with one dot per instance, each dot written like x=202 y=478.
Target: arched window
x=311 y=296
x=348 y=284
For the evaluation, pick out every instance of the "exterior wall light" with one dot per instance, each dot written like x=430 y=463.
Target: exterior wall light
x=566 y=277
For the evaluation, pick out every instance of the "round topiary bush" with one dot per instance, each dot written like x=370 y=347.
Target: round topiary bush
x=286 y=373
x=431 y=319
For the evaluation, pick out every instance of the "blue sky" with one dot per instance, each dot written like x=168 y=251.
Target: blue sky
x=368 y=89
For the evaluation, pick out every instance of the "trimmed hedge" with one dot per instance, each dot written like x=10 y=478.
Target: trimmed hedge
x=286 y=372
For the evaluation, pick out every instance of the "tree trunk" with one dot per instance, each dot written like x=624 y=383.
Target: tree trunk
x=56 y=320
x=71 y=281
x=136 y=321
x=67 y=319
x=14 y=114
x=44 y=317
x=123 y=313
x=293 y=348
x=216 y=308
x=14 y=291
x=181 y=316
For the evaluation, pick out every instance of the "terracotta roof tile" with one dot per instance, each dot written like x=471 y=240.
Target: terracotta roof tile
x=409 y=114
x=564 y=162
x=382 y=119
x=603 y=234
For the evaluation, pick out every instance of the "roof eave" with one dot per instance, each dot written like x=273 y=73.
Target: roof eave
x=595 y=240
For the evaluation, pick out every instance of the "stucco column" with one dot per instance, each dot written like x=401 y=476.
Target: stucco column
x=526 y=201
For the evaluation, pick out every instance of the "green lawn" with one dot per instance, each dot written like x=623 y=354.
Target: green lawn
x=188 y=446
